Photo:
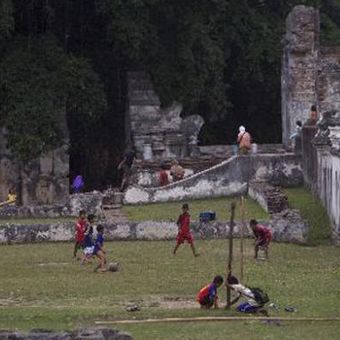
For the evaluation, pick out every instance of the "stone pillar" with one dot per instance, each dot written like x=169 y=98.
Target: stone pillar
x=299 y=67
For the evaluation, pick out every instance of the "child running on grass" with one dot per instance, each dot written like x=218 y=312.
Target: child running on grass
x=80 y=232
x=256 y=298
x=184 y=233
x=207 y=296
x=99 y=250
x=263 y=236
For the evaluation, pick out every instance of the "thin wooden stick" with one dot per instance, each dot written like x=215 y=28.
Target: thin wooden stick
x=217 y=318
x=230 y=258
x=242 y=236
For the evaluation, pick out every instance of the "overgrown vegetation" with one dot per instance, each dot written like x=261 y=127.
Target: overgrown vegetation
x=313 y=211
x=41 y=287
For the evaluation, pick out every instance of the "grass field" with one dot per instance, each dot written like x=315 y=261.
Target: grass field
x=170 y=210
x=312 y=210
x=41 y=286
x=37 y=220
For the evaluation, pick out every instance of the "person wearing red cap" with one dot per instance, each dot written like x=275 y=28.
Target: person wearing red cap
x=184 y=233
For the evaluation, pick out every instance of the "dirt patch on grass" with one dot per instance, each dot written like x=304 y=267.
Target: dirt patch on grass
x=53 y=264
x=166 y=302
x=11 y=301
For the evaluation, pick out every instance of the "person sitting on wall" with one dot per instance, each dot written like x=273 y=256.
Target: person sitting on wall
x=176 y=171
x=313 y=116
x=11 y=198
x=244 y=141
x=163 y=176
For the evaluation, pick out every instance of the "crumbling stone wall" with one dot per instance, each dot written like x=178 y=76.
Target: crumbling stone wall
x=41 y=181
x=271 y=198
x=228 y=178
x=299 y=67
x=310 y=72
x=328 y=80
x=287 y=226
x=327 y=184
x=156 y=132
x=311 y=75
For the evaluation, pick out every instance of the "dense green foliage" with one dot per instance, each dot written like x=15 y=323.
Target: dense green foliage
x=39 y=84
x=219 y=58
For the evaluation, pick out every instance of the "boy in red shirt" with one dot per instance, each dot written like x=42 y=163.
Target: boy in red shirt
x=263 y=236
x=184 y=233
x=207 y=296
x=80 y=232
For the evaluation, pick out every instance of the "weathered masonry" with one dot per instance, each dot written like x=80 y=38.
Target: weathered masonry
x=310 y=72
x=41 y=181
x=311 y=76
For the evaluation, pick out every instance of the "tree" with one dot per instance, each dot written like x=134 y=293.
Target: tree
x=39 y=84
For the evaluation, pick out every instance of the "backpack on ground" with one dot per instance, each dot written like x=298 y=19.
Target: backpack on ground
x=260 y=296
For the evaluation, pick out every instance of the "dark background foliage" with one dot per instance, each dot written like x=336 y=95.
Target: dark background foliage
x=219 y=58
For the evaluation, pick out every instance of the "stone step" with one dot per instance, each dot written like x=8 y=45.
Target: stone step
x=112 y=206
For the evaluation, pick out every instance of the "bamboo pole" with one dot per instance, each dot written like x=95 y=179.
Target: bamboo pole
x=230 y=257
x=217 y=318
x=242 y=236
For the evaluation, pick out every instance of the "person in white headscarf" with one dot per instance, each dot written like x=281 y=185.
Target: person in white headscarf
x=244 y=140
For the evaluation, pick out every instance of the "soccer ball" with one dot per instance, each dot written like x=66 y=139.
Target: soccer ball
x=113 y=266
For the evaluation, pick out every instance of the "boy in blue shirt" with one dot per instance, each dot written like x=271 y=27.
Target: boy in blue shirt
x=207 y=296
x=99 y=250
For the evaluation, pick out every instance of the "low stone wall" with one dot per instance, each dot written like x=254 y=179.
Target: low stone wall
x=90 y=202
x=328 y=186
x=270 y=198
x=287 y=227
x=226 y=151
x=84 y=334
x=230 y=177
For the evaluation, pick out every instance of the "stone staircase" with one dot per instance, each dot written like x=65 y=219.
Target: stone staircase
x=112 y=208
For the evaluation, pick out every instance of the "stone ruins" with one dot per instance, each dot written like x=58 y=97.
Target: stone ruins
x=310 y=76
x=156 y=132
x=310 y=72
x=41 y=181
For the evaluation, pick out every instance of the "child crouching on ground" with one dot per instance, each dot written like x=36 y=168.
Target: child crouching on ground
x=207 y=296
x=256 y=298
x=99 y=250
